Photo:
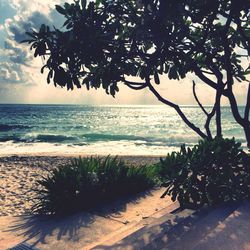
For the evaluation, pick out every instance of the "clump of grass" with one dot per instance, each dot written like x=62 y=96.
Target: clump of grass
x=87 y=182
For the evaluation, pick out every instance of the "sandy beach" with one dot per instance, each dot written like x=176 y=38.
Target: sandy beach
x=18 y=176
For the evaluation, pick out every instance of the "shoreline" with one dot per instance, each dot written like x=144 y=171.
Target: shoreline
x=70 y=155
x=19 y=173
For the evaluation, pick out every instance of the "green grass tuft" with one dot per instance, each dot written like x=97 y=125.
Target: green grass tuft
x=87 y=182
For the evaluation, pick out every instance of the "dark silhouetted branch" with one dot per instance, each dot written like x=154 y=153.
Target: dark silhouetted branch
x=177 y=108
x=247 y=109
x=135 y=85
x=197 y=99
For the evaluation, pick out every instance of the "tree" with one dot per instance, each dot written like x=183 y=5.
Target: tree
x=108 y=43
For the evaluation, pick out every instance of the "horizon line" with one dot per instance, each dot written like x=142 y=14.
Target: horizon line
x=111 y=105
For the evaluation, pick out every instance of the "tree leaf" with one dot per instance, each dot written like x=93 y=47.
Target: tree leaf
x=26 y=41
x=31 y=34
x=42 y=28
x=156 y=77
x=61 y=10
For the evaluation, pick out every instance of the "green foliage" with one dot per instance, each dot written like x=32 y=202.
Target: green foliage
x=105 y=41
x=87 y=182
x=210 y=173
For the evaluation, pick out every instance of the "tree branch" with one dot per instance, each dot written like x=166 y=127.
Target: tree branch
x=177 y=108
x=207 y=124
x=205 y=79
x=207 y=72
x=234 y=108
x=247 y=109
x=230 y=81
x=228 y=54
x=216 y=109
x=217 y=106
x=197 y=99
x=134 y=85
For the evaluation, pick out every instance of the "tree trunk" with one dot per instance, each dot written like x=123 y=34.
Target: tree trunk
x=218 y=110
x=247 y=133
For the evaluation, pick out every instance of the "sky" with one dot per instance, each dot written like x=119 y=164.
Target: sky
x=21 y=81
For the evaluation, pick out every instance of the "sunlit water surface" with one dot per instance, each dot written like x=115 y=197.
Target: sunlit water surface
x=121 y=130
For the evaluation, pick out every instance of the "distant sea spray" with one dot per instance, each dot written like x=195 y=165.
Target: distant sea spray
x=123 y=130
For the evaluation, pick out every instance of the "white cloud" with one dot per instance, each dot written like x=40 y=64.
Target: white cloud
x=10 y=73
x=26 y=6
x=29 y=14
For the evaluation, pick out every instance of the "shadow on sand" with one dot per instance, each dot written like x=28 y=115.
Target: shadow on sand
x=36 y=229
x=225 y=227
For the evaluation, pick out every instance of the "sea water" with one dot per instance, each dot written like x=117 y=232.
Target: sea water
x=116 y=130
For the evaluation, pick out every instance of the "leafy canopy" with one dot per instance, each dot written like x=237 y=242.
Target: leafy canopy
x=104 y=42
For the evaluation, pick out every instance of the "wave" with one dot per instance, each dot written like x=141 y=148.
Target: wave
x=139 y=140
x=96 y=137
x=57 y=138
x=54 y=138
x=30 y=138
x=5 y=127
x=7 y=138
x=110 y=137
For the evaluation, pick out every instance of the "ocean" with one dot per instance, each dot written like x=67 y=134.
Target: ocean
x=116 y=130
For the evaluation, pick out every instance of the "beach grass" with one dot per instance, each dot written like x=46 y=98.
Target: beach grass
x=88 y=182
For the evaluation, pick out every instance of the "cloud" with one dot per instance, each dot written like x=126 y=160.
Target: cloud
x=26 y=7
x=10 y=73
x=16 y=52
x=29 y=15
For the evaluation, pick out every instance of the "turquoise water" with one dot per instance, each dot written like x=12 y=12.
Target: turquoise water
x=122 y=130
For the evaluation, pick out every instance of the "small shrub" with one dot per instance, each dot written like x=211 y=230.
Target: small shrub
x=210 y=173
x=87 y=182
